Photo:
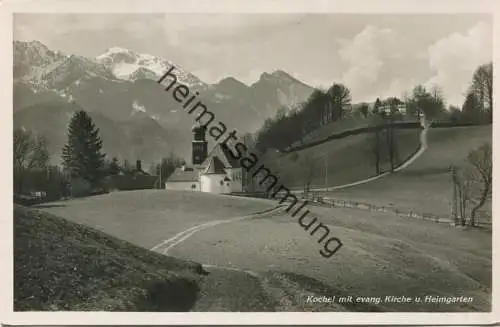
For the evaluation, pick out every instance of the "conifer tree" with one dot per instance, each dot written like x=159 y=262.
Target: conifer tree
x=82 y=155
x=114 y=166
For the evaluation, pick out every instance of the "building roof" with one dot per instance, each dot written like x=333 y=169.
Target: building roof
x=222 y=152
x=180 y=175
x=215 y=166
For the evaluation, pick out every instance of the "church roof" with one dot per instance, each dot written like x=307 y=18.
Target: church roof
x=222 y=152
x=215 y=166
x=180 y=175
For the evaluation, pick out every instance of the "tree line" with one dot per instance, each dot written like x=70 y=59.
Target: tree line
x=85 y=168
x=292 y=124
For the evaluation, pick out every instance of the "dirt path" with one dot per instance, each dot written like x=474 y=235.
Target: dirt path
x=421 y=150
x=184 y=235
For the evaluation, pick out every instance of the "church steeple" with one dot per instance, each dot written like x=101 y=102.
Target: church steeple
x=199 y=144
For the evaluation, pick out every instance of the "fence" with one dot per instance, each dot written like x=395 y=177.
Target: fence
x=316 y=198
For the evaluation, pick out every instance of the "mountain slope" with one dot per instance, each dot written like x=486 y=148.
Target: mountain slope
x=142 y=138
x=131 y=66
x=121 y=86
x=278 y=89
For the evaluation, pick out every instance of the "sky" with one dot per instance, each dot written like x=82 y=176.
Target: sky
x=374 y=55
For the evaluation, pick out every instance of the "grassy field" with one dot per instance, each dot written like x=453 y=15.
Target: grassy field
x=426 y=183
x=59 y=265
x=269 y=263
x=382 y=255
x=148 y=217
x=349 y=159
x=348 y=123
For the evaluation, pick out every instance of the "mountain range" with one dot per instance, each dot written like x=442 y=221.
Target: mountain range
x=136 y=117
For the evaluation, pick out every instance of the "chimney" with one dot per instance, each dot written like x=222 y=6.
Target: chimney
x=138 y=165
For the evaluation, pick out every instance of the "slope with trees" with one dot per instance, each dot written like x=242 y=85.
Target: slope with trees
x=289 y=126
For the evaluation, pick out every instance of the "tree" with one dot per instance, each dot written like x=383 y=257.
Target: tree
x=376 y=106
x=363 y=110
x=430 y=104
x=30 y=150
x=471 y=110
x=114 y=167
x=455 y=114
x=82 y=154
x=138 y=165
x=473 y=184
x=482 y=88
x=481 y=172
x=462 y=183
x=29 y=153
x=167 y=166
x=126 y=167
x=339 y=101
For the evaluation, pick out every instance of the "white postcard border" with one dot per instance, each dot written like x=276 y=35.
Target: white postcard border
x=7 y=9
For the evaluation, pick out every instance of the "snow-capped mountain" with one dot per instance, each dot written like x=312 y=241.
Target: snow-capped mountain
x=47 y=70
x=128 y=65
x=120 y=88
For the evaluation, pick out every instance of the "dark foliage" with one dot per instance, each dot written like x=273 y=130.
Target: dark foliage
x=82 y=154
x=292 y=124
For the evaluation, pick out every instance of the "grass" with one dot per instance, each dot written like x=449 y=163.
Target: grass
x=60 y=265
x=348 y=123
x=352 y=122
x=349 y=159
x=425 y=186
x=233 y=291
x=382 y=255
x=79 y=268
x=148 y=217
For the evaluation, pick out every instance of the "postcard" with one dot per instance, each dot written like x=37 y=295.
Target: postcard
x=223 y=162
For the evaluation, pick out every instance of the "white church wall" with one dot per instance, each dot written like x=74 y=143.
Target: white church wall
x=236 y=176
x=183 y=186
x=212 y=183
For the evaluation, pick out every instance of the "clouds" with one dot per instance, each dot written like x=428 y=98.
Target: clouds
x=384 y=62
x=378 y=63
x=455 y=57
x=365 y=54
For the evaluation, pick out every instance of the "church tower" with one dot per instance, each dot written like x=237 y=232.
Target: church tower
x=199 y=145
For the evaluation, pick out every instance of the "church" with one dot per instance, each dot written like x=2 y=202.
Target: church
x=215 y=172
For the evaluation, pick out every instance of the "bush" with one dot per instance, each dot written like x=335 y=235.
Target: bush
x=80 y=187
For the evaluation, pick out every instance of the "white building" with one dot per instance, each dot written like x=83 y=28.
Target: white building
x=217 y=172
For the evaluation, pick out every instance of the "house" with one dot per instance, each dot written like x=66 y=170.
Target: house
x=215 y=172
x=133 y=179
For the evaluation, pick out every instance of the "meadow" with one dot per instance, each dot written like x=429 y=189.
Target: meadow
x=425 y=185
x=268 y=263
x=382 y=255
x=349 y=159
x=148 y=217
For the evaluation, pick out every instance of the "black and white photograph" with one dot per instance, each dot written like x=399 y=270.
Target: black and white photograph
x=252 y=162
